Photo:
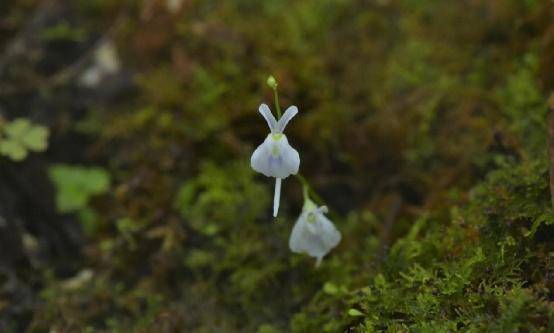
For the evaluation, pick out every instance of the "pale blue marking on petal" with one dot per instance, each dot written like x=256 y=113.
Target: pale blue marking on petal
x=275 y=158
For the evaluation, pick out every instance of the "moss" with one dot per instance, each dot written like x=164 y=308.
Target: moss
x=482 y=270
x=420 y=125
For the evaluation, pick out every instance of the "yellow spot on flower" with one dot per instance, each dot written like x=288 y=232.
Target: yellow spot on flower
x=277 y=136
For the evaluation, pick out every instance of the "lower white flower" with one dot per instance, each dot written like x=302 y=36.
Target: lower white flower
x=313 y=233
x=275 y=157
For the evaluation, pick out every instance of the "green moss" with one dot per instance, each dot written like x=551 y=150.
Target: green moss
x=421 y=124
x=481 y=271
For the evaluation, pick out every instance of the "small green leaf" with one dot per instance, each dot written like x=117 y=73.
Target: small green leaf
x=330 y=288
x=76 y=185
x=36 y=138
x=20 y=136
x=13 y=150
x=17 y=128
x=536 y=224
x=380 y=281
x=355 y=313
x=185 y=197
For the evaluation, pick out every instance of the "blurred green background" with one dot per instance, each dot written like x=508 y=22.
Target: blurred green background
x=127 y=203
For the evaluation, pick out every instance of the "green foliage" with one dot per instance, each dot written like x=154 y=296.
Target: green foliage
x=524 y=105
x=76 y=185
x=421 y=124
x=479 y=273
x=20 y=136
x=219 y=198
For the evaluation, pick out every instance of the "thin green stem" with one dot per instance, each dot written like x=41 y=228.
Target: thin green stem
x=309 y=191
x=277 y=107
x=305 y=189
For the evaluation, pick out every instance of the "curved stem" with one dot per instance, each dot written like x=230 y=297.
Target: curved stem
x=305 y=190
x=309 y=191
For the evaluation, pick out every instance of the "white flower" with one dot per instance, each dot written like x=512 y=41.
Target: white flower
x=275 y=157
x=313 y=233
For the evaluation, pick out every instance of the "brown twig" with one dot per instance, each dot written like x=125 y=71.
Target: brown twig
x=551 y=144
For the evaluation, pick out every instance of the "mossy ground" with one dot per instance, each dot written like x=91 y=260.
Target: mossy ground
x=422 y=125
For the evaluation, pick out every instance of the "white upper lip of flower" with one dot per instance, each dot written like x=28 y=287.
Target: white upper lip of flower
x=314 y=233
x=274 y=125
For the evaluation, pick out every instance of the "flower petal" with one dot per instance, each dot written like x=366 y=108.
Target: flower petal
x=330 y=236
x=268 y=116
x=260 y=158
x=297 y=240
x=304 y=240
x=291 y=158
x=289 y=114
x=287 y=160
x=275 y=158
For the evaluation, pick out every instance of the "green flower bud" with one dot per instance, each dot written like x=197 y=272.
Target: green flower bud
x=271 y=82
